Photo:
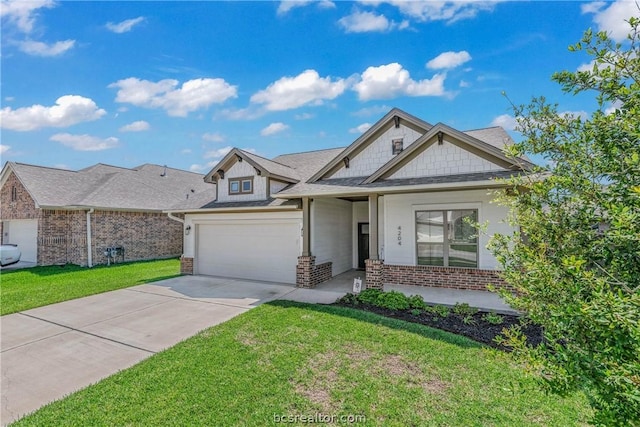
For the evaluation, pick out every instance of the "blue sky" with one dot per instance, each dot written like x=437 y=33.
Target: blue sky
x=179 y=83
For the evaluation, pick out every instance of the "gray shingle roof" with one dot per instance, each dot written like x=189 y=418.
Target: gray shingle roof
x=273 y=167
x=147 y=187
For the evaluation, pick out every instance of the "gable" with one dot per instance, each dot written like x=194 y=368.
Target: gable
x=242 y=170
x=405 y=124
x=376 y=153
x=445 y=159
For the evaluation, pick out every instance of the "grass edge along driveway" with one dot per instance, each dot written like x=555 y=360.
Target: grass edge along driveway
x=286 y=359
x=38 y=286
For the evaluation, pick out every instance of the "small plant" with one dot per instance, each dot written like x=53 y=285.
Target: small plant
x=369 y=296
x=415 y=312
x=493 y=318
x=464 y=309
x=469 y=320
x=416 y=301
x=441 y=310
x=393 y=300
x=350 y=299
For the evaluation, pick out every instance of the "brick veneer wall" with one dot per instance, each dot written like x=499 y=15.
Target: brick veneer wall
x=23 y=207
x=308 y=274
x=62 y=237
x=186 y=265
x=443 y=277
x=374 y=277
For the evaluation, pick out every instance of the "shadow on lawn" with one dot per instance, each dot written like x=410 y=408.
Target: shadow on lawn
x=377 y=319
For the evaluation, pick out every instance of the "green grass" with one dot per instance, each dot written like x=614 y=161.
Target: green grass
x=293 y=359
x=34 y=287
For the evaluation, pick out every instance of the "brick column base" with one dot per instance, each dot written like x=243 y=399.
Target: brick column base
x=374 y=273
x=186 y=265
x=308 y=274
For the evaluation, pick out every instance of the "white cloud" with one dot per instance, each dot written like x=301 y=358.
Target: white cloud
x=69 y=110
x=448 y=60
x=293 y=92
x=124 y=26
x=286 y=6
x=61 y=166
x=249 y=113
x=464 y=83
x=176 y=101
x=217 y=154
x=505 y=121
x=22 y=13
x=449 y=11
x=364 y=22
x=213 y=137
x=274 y=128
x=36 y=48
x=612 y=18
x=4 y=148
x=375 y=110
x=304 y=116
x=392 y=80
x=85 y=142
x=361 y=128
x=137 y=126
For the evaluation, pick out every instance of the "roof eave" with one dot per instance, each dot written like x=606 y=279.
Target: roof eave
x=235 y=209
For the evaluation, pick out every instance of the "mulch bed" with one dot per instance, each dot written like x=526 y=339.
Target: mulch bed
x=479 y=330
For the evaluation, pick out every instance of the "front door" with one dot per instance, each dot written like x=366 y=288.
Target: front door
x=363 y=243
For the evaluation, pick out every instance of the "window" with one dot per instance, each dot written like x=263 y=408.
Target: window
x=396 y=146
x=447 y=238
x=14 y=193
x=241 y=185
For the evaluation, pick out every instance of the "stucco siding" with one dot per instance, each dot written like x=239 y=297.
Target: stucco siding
x=400 y=228
x=377 y=153
x=331 y=233
x=445 y=159
x=239 y=170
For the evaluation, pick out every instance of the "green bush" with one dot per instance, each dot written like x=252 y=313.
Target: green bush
x=464 y=309
x=416 y=301
x=493 y=318
x=393 y=300
x=349 y=298
x=441 y=310
x=369 y=296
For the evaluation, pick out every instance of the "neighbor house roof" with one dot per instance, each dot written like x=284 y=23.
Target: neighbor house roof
x=147 y=187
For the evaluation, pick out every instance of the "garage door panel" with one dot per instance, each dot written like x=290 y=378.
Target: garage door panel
x=24 y=233
x=259 y=250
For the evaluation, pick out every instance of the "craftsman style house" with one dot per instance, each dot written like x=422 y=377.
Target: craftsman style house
x=399 y=202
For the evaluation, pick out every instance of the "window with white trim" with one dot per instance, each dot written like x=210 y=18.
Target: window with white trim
x=447 y=238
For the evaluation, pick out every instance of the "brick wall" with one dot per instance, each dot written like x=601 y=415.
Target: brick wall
x=186 y=265
x=374 y=277
x=62 y=236
x=308 y=274
x=444 y=277
x=23 y=207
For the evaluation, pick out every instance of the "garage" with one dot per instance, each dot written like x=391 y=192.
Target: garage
x=258 y=249
x=24 y=233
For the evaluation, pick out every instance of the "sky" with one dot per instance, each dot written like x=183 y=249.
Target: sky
x=180 y=83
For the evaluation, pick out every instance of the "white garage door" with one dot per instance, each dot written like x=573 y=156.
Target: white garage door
x=264 y=249
x=24 y=233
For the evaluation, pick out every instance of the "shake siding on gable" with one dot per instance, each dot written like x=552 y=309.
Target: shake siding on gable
x=377 y=153
x=238 y=170
x=445 y=159
x=276 y=186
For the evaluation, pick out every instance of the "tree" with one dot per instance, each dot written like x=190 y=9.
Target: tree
x=575 y=259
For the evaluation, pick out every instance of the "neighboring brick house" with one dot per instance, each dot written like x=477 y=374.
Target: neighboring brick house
x=398 y=203
x=45 y=211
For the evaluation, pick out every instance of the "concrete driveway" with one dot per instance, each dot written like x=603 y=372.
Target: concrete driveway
x=51 y=351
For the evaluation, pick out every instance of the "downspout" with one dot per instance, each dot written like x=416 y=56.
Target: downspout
x=89 y=252
x=175 y=218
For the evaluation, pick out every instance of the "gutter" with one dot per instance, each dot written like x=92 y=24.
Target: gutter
x=175 y=218
x=89 y=252
x=235 y=209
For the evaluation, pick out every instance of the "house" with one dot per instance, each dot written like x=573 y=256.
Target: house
x=399 y=202
x=46 y=211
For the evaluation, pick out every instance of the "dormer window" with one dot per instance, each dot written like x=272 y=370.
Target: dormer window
x=396 y=146
x=241 y=185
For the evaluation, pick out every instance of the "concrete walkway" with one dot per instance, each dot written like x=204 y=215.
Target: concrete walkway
x=49 y=352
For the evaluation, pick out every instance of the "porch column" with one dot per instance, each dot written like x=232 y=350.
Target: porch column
x=373 y=226
x=306 y=227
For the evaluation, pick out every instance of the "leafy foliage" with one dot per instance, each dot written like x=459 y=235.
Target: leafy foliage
x=393 y=300
x=416 y=301
x=576 y=260
x=493 y=318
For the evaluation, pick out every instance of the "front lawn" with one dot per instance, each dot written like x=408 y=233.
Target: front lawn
x=288 y=359
x=34 y=287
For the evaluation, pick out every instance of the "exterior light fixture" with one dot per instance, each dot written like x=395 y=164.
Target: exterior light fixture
x=187 y=230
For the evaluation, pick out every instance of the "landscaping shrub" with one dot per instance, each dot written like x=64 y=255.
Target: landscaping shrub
x=393 y=300
x=369 y=296
x=416 y=301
